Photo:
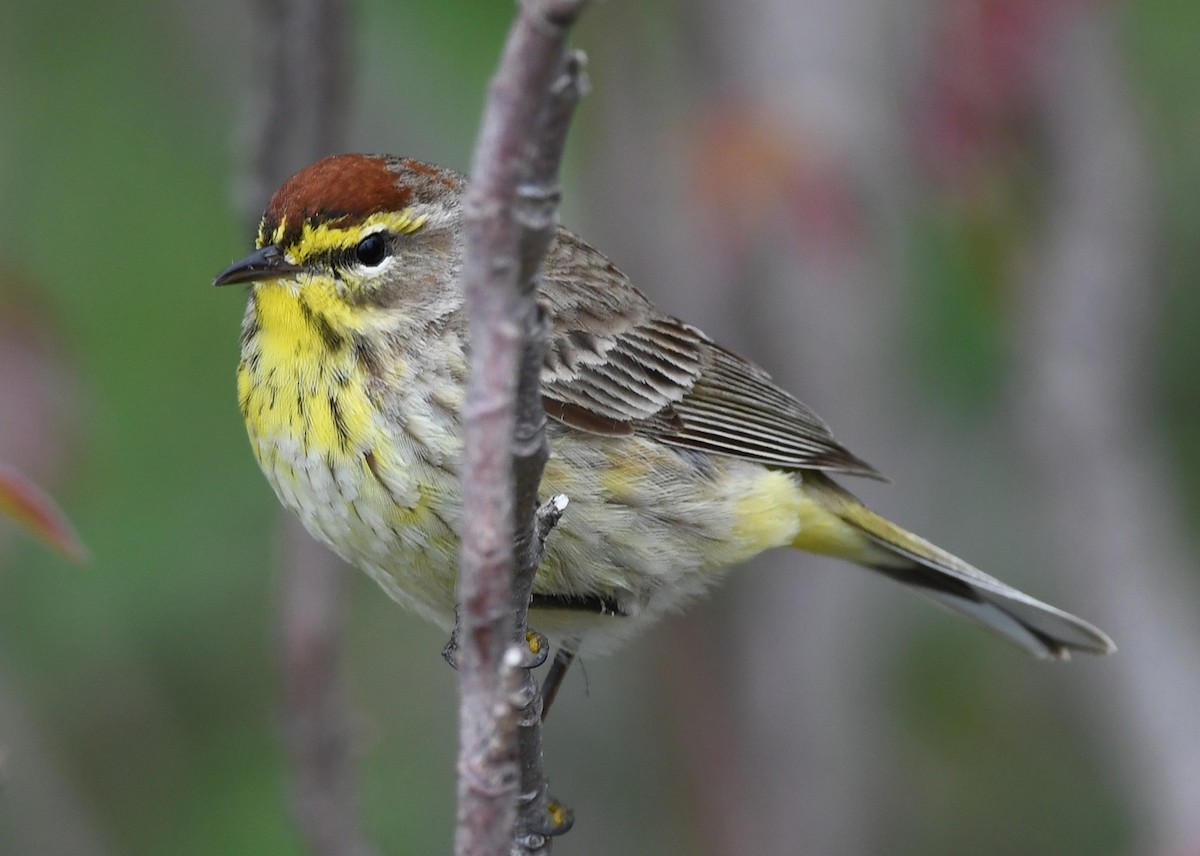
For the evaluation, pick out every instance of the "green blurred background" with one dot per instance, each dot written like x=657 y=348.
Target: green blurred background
x=138 y=696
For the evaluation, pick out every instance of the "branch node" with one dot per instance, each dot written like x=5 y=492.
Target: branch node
x=549 y=513
x=572 y=81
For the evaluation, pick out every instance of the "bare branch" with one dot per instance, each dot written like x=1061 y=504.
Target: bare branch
x=1082 y=404
x=298 y=117
x=312 y=601
x=510 y=222
x=300 y=113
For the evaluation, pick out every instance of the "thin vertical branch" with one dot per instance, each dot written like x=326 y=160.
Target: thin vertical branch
x=1088 y=430
x=778 y=761
x=298 y=117
x=300 y=113
x=510 y=222
x=315 y=719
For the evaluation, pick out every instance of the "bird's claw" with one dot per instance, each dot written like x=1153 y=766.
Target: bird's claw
x=533 y=653
x=450 y=652
x=558 y=821
x=537 y=649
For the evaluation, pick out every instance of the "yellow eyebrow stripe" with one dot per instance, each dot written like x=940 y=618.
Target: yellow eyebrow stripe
x=325 y=237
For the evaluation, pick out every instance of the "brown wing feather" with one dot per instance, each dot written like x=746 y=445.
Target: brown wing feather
x=615 y=365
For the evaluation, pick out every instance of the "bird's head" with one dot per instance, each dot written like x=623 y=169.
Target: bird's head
x=365 y=230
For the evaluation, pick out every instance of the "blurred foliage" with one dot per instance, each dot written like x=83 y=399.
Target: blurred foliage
x=23 y=501
x=146 y=686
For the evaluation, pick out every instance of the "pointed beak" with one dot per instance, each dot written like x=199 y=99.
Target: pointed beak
x=265 y=263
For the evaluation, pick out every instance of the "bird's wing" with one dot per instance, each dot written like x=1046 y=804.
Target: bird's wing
x=615 y=365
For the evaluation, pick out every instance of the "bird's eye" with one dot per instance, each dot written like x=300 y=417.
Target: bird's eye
x=372 y=250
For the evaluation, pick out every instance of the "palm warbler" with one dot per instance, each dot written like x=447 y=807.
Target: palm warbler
x=680 y=458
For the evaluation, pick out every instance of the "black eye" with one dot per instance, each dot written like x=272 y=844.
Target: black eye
x=372 y=250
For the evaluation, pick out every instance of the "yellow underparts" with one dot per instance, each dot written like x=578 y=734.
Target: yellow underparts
x=782 y=511
x=305 y=381
x=303 y=389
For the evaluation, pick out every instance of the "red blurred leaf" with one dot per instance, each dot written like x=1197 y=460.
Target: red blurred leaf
x=25 y=502
x=753 y=172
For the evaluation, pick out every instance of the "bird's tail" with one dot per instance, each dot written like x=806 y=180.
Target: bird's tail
x=1043 y=630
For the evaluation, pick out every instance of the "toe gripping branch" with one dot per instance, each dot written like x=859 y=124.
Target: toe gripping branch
x=540 y=818
x=547 y=517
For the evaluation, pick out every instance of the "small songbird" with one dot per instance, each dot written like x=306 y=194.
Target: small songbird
x=679 y=457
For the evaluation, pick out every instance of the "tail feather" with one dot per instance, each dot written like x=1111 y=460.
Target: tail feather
x=1041 y=629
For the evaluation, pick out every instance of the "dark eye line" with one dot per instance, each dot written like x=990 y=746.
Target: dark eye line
x=344 y=258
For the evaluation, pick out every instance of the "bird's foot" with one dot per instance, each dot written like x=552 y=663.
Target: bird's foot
x=533 y=653
x=450 y=652
x=558 y=821
x=537 y=649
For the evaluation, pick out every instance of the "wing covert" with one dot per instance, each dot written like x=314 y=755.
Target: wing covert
x=614 y=365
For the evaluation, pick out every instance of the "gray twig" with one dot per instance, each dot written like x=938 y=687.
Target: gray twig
x=510 y=222
x=1086 y=418
x=548 y=515
x=316 y=727
x=297 y=117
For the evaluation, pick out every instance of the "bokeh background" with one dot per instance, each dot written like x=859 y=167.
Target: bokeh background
x=965 y=231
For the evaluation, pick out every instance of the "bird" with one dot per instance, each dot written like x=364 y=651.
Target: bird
x=680 y=458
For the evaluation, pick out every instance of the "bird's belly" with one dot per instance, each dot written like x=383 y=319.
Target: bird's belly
x=648 y=527
x=397 y=530
x=651 y=527
x=378 y=492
